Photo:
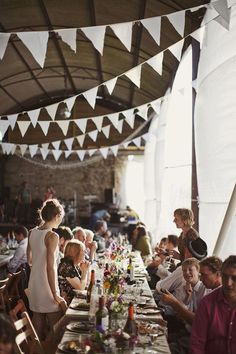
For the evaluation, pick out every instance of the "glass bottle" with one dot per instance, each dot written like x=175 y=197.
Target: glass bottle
x=106 y=271
x=130 y=272
x=102 y=316
x=131 y=326
x=91 y=284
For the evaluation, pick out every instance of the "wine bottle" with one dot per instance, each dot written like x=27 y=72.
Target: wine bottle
x=130 y=272
x=102 y=316
x=130 y=326
x=106 y=271
x=91 y=284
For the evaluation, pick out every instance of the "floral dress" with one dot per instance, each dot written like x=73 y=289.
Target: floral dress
x=67 y=269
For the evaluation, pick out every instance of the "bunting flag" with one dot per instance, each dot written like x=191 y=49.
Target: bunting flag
x=81 y=154
x=177 y=19
x=56 y=154
x=125 y=144
x=114 y=149
x=52 y=110
x=114 y=118
x=56 y=144
x=12 y=120
x=111 y=84
x=156 y=62
x=96 y=35
x=23 y=126
x=124 y=32
x=80 y=139
x=98 y=122
x=142 y=111
x=104 y=152
x=156 y=105
x=120 y=126
x=224 y=13
x=45 y=145
x=137 y=141
x=176 y=49
x=36 y=42
x=198 y=35
x=44 y=126
x=44 y=152
x=106 y=131
x=135 y=75
x=34 y=115
x=70 y=102
x=91 y=152
x=153 y=25
x=145 y=136
x=69 y=143
x=210 y=15
x=93 y=135
x=64 y=125
x=4 y=125
x=7 y=148
x=67 y=153
x=129 y=117
x=33 y=150
x=81 y=124
x=23 y=149
x=4 y=38
x=68 y=36
x=91 y=96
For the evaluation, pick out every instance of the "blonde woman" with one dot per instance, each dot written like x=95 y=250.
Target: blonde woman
x=72 y=270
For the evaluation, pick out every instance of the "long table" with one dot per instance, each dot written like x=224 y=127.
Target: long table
x=159 y=345
x=5 y=258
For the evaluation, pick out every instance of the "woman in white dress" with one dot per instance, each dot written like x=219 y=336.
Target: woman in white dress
x=44 y=296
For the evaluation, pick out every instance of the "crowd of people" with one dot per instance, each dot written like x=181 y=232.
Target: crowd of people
x=196 y=292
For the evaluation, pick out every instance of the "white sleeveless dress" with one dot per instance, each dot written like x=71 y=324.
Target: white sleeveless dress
x=40 y=295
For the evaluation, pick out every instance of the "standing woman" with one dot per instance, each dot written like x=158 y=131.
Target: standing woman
x=184 y=219
x=42 y=252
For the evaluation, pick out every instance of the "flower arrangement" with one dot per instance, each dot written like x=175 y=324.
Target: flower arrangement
x=115 y=304
x=114 y=281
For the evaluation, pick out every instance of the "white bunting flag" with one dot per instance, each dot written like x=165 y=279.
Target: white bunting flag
x=120 y=126
x=177 y=20
x=210 y=14
x=4 y=38
x=67 y=153
x=64 y=125
x=98 y=122
x=91 y=95
x=80 y=139
x=93 y=135
x=52 y=110
x=145 y=136
x=135 y=75
x=110 y=84
x=199 y=35
x=106 y=131
x=91 y=152
x=156 y=62
x=70 y=102
x=126 y=144
x=7 y=148
x=142 y=111
x=45 y=145
x=33 y=150
x=137 y=141
x=12 y=119
x=81 y=124
x=104 y=152
x=124 y=32
x=222 y=9
x=129 y=117
x=81 y=154
x=34 y=115
x=69 y=143
x=4 y=125
x=114 y=118
x=153 y=25
x=156 y=105
x=68 y=36
x=23 y=148
x=96 y=36
x=114 y=149
x=36 y=42
x=56 y=144
x=176 y=49
x=44 y=152
x=44 y=126
x=23 y=126
x=56 y=154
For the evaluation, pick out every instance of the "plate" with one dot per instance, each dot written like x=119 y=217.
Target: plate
x=66 y=347
x=80 y=294
x=147 y=311
x=82 y=306
x=79 y=327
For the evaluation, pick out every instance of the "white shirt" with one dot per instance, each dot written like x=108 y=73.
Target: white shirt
x=19 y=257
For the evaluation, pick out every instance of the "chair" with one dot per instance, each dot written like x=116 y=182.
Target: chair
x=17 y=311
x=12 y=294
x=3 y=294
x=27 y=340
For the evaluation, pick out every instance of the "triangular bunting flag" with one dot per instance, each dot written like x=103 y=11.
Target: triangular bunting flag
x=110 y=84
x=156 y=105
x=12 y=119
x=23 y=149
x=67 y=153
x=176 y=49
x=137 y=141
x=80 y=139
x=222 y=8
x=23 y=126
x=45 y=145
x=56 y=154
x=198 y=35
x=90 y=96
x=104 y=152
x=177 y=20
x=7 y=148
x=64 y=125
x=44 y=153
x=126 y=144
x=4 y=125
x=91 y=151
x=98 y=122
x=36 y=42
x=13 y=150
x=81 y=124
x=124 y=32
x=120 y=126
x=4 y=38
x=106 y=131
x=142 y=111
x=135 y=75
x=156 y=62
x=96 y=36
x=81 y=154
x=44 y=126
x=69 y=143
x=34 y=115
x=93 y=135
x=68 y=36
x=210 y=14
x=145 y=136
x=129 y=117
x=114 y=149
x=52 y=110
x=56 y=144
x=114 y=118
x=153 y=25
x=70 y=102
x=33 y=150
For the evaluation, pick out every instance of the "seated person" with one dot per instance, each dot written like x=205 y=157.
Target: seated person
x=72 y=270
x=20 y=257
x=91 y=246
x=79 y=233
x=141 y=241
x=98 y=215
x=7 y=335
x=172 y=246
x=101 y=235
x=131 y=215
x=65 y=235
